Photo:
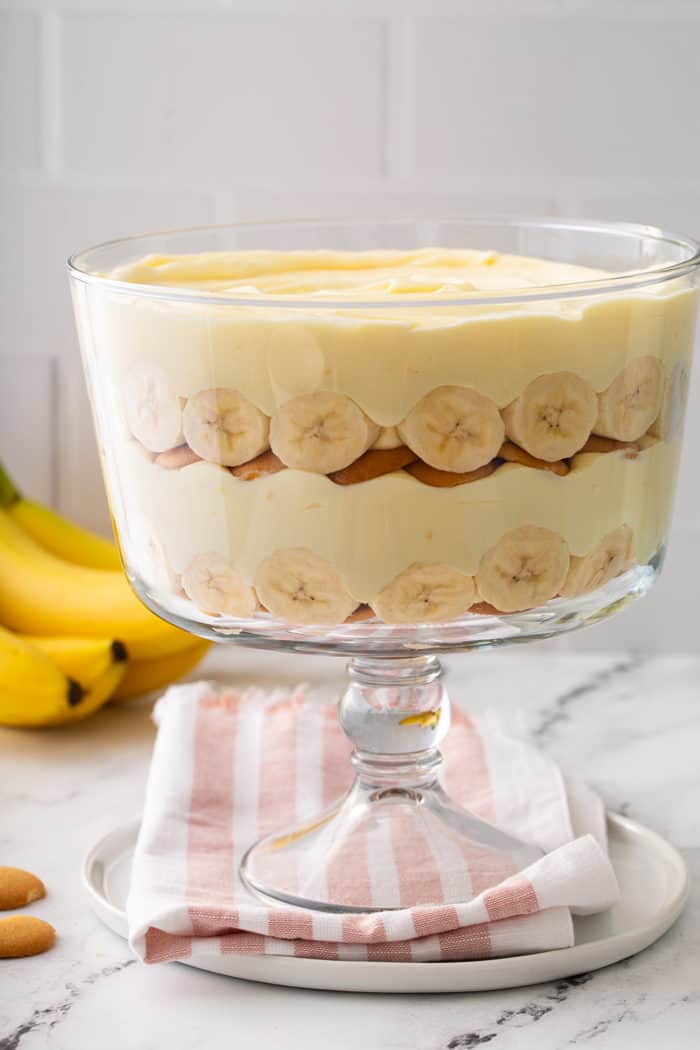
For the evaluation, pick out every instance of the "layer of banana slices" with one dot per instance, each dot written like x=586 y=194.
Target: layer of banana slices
x=452 y=436
x=524 y=569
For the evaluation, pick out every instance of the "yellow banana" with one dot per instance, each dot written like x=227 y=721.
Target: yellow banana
x=145 y=676
x=100 y=691
x=85 y=659
x=35 y=691
x=54 y=532
x=93 y=699
x=32 y=687
x=41 y=594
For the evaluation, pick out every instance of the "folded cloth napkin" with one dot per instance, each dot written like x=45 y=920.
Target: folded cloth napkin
x=229 y=767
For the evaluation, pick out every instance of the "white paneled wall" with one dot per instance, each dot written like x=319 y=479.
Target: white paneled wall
x=121 y=116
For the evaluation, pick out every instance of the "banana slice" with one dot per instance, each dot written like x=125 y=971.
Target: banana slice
x=153 y=412
x=669 y=422
x=631 y=403
x=215 y=587
x=610 y=557
x=553 y=416
x=425 y=593
x=454 y=428
x=321 y=432
x=526 y=568
x=224 y=427
x=299 y=587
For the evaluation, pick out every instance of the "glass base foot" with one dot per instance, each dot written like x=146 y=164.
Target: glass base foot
x=396 y=839
x=382 y=849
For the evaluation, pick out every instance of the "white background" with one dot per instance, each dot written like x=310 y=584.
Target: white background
x=131 y=115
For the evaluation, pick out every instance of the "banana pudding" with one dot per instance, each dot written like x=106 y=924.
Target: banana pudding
x=321 y=436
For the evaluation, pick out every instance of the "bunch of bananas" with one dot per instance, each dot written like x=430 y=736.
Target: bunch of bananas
x=73 y=634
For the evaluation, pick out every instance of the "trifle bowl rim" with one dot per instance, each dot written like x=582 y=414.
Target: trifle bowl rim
x=625 y=281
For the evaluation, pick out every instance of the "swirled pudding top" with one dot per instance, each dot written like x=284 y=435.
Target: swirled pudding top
x=425 y=273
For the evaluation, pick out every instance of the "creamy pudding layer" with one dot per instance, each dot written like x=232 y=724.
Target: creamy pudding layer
x=388 y=356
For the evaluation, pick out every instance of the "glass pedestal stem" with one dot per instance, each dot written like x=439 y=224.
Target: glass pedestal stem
x=396 y=839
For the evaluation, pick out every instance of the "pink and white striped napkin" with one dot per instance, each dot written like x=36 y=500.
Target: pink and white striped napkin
x=229 y=767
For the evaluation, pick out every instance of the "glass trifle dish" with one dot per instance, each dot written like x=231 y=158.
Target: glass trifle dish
x=388 y=440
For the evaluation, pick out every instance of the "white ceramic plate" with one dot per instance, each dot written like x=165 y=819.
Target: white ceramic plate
x=652 y=876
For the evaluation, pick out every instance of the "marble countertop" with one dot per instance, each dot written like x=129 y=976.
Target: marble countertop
x=628 y=724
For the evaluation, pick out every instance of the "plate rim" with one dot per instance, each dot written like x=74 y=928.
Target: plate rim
x=677 y=894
